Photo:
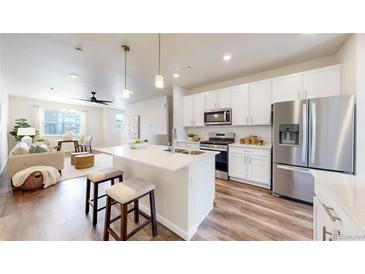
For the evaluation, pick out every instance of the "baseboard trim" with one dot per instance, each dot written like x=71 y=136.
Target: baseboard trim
x=176 y=229
x=248 y=182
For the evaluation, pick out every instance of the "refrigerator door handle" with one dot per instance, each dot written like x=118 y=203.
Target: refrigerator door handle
x=298 y=169
x=304 y=137
x=314 y=133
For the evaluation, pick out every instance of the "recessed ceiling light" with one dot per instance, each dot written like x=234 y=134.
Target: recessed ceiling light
x=74 y=75
x=189 y=67
x=227 y=57
x=176 y=75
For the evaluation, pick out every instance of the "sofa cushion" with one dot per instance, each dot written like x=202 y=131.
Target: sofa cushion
x=20 y=149
x=38 y=148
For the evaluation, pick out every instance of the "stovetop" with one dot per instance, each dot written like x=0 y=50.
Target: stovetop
x=218 y=141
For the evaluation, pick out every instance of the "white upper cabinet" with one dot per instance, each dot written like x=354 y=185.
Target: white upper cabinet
x=198 y=109
x=260 y=102
x=287 y=88
x=194 y=110
x=322 y=82
x=218 y=99
x=188 y=110
x=240 y=111
x=225 y=98
x=211 y=99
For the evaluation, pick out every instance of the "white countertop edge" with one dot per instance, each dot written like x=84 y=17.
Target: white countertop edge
x=265 y=146
x=336 y=199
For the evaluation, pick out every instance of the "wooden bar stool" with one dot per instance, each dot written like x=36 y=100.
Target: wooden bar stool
x=129 y=192
x=97 y=177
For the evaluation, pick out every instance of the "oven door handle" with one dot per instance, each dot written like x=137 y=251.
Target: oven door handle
x=226 y=116
x=213 y=149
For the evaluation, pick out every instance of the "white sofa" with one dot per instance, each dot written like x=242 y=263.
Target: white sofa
x=19 y=162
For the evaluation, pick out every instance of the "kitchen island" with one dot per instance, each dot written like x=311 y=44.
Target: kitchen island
x=185 y=183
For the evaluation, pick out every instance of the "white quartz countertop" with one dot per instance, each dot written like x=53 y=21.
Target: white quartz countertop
x=265 y=146
x=348 y=191
x=155 y=155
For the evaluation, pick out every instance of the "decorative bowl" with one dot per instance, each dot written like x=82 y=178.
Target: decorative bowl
x=136 y=145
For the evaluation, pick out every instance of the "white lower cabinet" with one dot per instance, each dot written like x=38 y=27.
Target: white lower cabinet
x=331 y=222
x=252 y=166
x=237 y=165
x=325 y=228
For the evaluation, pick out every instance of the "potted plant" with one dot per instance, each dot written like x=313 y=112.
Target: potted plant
x=19 y=123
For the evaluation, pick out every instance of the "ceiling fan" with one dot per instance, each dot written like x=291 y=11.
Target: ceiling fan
x=93 y=99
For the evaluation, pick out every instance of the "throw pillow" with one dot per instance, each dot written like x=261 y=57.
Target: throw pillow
x=38 y=148
x=20 y=149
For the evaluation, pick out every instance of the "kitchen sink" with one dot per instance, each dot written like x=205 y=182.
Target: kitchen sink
x=184 y=151
x=178 y=150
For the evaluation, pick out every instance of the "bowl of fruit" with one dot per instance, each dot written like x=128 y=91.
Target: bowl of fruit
x=137 y=144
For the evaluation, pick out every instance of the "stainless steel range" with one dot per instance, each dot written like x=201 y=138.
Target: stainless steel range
x=219 y=142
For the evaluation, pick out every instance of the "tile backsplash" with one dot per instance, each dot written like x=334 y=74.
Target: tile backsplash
x=263 y=132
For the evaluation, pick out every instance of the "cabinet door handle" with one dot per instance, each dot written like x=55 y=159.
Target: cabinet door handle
x=328 y=210
x=249 y=160
x=325 y=233
x=306 y=95
x=298 y=94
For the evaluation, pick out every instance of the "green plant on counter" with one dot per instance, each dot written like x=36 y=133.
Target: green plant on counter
x=19 y=123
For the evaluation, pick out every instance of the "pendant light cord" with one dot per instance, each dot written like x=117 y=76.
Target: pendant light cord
x=159 y=54
x=125 y=68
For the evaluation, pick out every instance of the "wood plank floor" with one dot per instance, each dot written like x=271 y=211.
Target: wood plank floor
x=242 y=212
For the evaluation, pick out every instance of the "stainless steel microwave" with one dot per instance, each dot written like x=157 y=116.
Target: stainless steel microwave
x=218 y=117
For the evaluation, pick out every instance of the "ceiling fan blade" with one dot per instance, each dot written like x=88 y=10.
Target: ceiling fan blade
x=101 y=103
x=82 y=99
x=104 y=101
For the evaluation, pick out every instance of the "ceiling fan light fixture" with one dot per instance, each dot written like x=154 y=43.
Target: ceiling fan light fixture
x=159 y=81
x=126 y=93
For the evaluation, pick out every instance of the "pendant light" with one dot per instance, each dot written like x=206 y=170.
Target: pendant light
x=126 y=92
x=159 y=78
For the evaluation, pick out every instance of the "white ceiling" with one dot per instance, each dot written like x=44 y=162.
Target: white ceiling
x=32 y=64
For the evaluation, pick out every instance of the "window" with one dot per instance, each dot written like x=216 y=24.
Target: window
x=61 y=122
x=119 y=122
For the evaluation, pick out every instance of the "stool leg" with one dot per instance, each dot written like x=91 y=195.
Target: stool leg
x=153 y=213
x=107 y=218
x=95 y=204
x=136 y=211
x=112 y=182
x=123 y=224
x=121 y=179
x=87 y=196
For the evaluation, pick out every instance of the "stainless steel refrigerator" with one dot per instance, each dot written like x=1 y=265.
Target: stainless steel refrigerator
x=315 y=133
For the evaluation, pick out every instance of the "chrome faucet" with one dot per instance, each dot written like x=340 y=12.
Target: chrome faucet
x=173 y=140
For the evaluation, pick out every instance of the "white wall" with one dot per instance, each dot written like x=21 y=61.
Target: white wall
x=3 y=126
x=20 y=107
x=360 y=93
x=154 y=119
x=111 y=136
x=347 y=56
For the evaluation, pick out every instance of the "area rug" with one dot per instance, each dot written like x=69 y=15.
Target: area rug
x=70 y=172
